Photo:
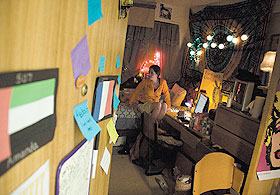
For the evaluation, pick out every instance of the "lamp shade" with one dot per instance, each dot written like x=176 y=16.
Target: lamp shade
x=268 y=61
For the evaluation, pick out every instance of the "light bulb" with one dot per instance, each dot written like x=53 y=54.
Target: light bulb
x=234 y=40
x=199 y=52
x=221 y=46
x=205 y=45
x=209 y=37
x=192 y=53
x=189 y=44
x=229 y=38
x=213 y=45
x=244 y=37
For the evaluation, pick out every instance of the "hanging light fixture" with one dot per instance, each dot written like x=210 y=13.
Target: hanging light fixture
x=229 y=38
x=213 y=45
x=221 y=46
x=189 y=44
x=244 y=37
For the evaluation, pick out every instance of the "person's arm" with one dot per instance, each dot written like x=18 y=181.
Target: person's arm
x=137 y=90
x=166 y=94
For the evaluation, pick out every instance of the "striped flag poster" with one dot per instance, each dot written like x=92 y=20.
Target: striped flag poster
x=27 y=113
x=103 y=98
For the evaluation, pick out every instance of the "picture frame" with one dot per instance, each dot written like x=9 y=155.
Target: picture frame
x=165 y=12
x=103 y=97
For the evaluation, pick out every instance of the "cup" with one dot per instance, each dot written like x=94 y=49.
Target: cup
x=257 y=107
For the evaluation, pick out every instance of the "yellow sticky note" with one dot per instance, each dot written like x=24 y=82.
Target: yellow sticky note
x=112 y=131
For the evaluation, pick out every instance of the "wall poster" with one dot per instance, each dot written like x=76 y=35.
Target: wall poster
x=269 y=162
x=27 y=113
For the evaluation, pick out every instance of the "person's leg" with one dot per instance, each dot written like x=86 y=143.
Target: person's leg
x=162 y=111
x=156 y=108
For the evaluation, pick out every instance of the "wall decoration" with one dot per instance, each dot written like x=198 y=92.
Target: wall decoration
x=73 y=172
x=212 y=84
x=87 y=125
x=102 y=107
x=37 y=183
x=80 y=59
x=269 y=161
x=27 y=114
x=94 y=11
x=248 y=23
x=165 y=12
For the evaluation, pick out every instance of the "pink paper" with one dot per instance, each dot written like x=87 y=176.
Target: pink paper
x=5 y=151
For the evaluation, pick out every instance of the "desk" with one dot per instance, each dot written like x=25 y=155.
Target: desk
x=195 y=146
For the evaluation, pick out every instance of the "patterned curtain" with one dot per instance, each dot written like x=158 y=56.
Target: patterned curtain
x=249 y=17
x=142 y=42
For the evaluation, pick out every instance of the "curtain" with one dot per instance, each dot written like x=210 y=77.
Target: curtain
x=142 y=43
x=249 y=17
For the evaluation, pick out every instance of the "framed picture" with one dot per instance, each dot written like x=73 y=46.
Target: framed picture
x=102 y=107
x=165 y=12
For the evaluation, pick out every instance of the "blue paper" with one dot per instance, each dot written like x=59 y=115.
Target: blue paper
x=101 y=64
x=118 y=61
x=119 y=79
x=87 y=125
x=94 y=11
x=116 y=101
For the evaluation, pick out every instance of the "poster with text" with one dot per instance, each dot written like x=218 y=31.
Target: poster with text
x=27 y=113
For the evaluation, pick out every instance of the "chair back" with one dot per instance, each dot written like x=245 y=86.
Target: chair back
x=214 y=171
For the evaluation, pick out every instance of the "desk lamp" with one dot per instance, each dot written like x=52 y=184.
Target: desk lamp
x=268 y=63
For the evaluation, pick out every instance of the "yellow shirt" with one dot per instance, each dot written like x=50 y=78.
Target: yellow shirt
x=149 y=95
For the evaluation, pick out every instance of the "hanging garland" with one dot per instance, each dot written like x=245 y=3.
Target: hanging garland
x=195 y=47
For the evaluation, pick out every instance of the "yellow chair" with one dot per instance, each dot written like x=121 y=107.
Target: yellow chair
x=216 y=171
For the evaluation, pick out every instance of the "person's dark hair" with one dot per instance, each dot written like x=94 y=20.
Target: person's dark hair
x=156 y=68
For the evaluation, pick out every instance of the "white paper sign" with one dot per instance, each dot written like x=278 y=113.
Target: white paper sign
x=38 y=183
x=106 y=159
x=94 y=163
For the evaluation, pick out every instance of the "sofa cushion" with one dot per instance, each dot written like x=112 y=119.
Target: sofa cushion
x=177 y=95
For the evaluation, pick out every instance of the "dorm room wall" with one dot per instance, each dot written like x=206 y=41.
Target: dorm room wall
x=38 y=35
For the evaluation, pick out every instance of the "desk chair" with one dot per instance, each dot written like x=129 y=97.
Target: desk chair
x=150 y=131
x=216 y=171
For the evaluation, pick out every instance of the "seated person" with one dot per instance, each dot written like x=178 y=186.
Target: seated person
x=152 y=89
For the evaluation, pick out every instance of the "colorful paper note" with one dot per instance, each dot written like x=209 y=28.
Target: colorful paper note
x=37 y=183
x=101 y=64
x=119 y=79
x=103 y=100
x=116 y=101
x=94 y=11
x=118 y=61
x=87 y=125
x=80 y=59
x=112 y=131
x=106 y=160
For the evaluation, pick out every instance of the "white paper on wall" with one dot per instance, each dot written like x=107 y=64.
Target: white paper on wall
x=37 y=183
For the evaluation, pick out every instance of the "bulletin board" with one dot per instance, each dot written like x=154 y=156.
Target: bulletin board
x=73 y=173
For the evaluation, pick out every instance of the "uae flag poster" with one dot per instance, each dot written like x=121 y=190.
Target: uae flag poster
x=27 y=113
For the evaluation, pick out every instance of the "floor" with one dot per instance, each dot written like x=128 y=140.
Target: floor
x=129 y=179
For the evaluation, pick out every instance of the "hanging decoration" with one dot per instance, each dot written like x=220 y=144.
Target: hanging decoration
x=235 y=50
x=195 y=49
x=147 y=63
